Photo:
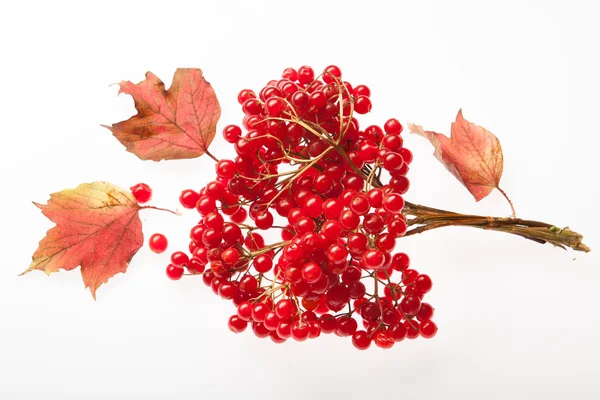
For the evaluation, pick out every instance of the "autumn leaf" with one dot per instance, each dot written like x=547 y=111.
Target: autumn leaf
x=170 y=124
x=97 y=227
x=472 y=154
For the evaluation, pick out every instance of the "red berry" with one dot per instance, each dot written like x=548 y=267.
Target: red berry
x=188 y=198
x=337 y=254
x=346 y=326
x=225 y=169
x=425 y=313
x=179 y=258
x=361 y=340
x=285 y=309
x=158 y=243
x=290 y=73
x=263 y=263
x=393 y=203
x=332 y=74
x=244 y=95
x=428 y=329
x=237 y=324
x=230 y=256
x=400 y=262
x=410 y=305
x=393 y=127
x=384 y=339
x=361 y=90
x=311 y=272
x=362 y=104
x=141 y=192
x=423 y=283
x=232 y=133
x=305 y=74
x=174 y=272
x=373 y=259
x=300 y=331
x=259 y=312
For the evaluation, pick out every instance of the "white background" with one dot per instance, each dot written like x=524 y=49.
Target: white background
x=517 y=319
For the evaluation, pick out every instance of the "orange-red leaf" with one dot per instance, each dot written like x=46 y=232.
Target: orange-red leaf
x=97 y=227
x=472 y=154
x=170 y=124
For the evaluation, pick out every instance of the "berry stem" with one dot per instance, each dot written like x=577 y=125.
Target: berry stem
x=429 y=218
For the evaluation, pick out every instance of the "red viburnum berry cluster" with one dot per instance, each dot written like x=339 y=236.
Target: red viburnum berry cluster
x=304 y=160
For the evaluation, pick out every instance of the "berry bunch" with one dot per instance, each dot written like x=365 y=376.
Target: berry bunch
x=307 y=170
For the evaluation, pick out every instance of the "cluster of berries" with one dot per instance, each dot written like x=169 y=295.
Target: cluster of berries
x=307 y=170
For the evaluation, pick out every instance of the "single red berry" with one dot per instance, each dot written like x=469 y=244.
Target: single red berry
x=361 y=90
x=337 y=254
x=174 y=272
x=428 y=329
x=393 y=127
x=349 y=220
x=263 y=263
x=271 y=320
x=188 y=198
x=426 y=312
x=410 y=305
x=373 y=223
x=285 y=309
x=362 y=104
x=331 y=74
x=275 y=106
x=252 y=106
x=225 y=169
x=397 y=227
x=393 y=203
x=259 y=312
x=230 y=256
x=373 y=259
x=141 y=192
x=158 y=243
x=357 y=243
x=237 y=324
x=305 y=74
x=384 y=339
x=400 y=261
x=346 y=326
x=179 y=258
x=260 y=331
x=232 y=133
x=332 y=208
x=311 y=272
x=290 y=73
x=301 y=100
x=300 y=331
x=400 y=184
x=264 y=220
x=318 y=100
x=248 y=284
x=245 y=94
x=406 y=154
x=244 y=310
x=385 y=242
x=423 y=283
x=361 y=340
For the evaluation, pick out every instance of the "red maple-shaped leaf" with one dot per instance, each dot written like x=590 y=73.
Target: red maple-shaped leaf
x=472 y=154
x=97 y=227
x=170 y=124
